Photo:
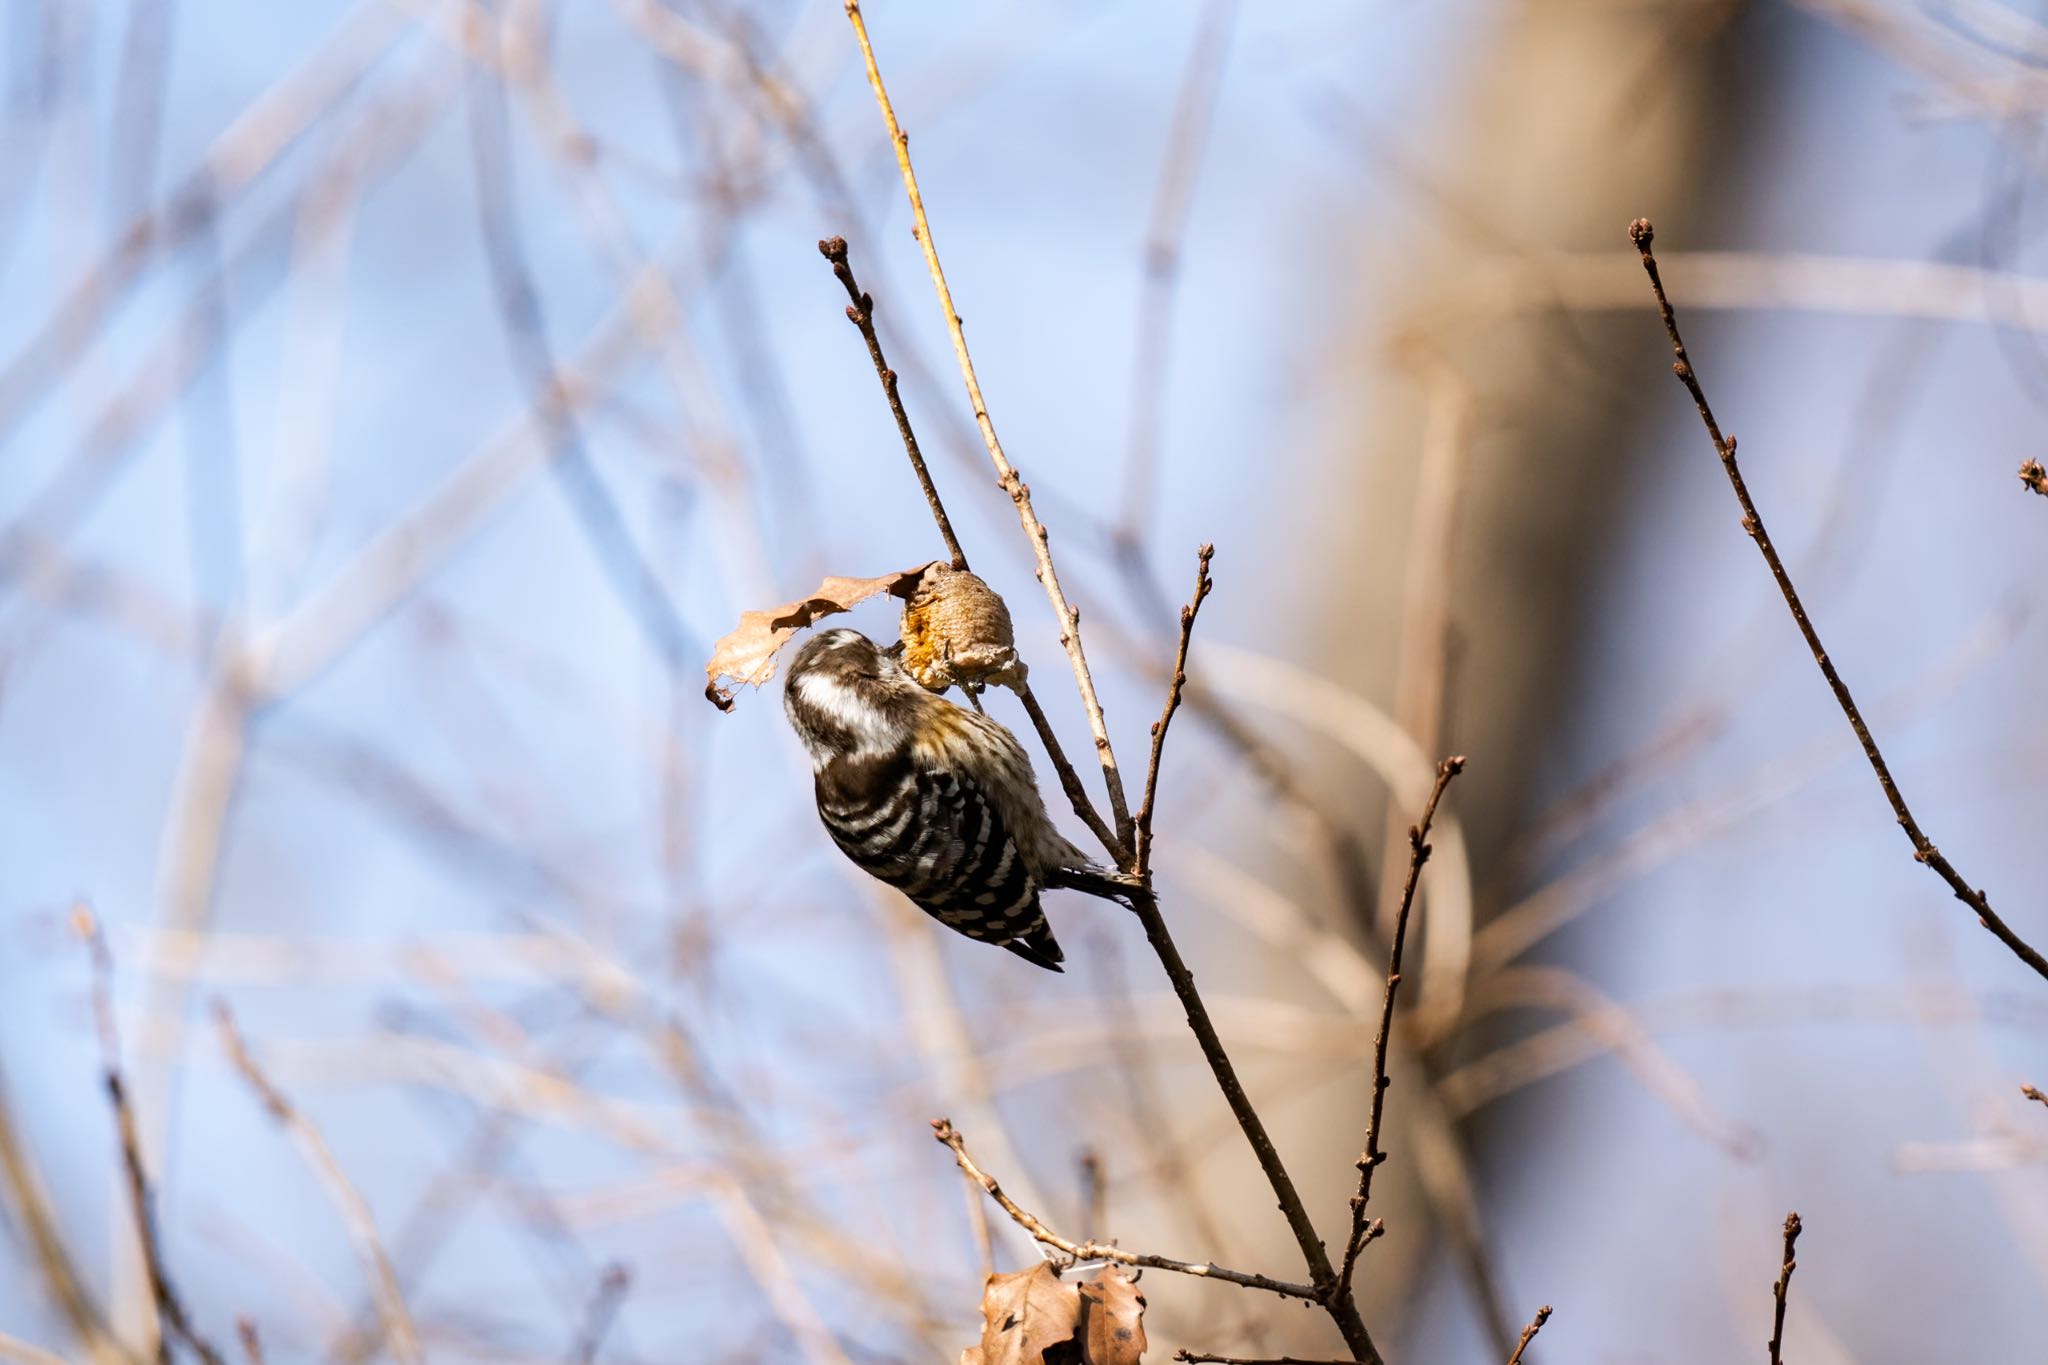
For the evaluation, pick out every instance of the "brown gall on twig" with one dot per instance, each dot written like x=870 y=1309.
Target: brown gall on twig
x=2034 y=476
x=1924 y=851
x=956 y=632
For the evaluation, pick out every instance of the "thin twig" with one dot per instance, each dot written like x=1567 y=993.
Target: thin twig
x=1012 y=482
x=1778 y=1291
x=1369 y=1160
x=1529 y=1334
x=944 y=1131
x=2035 y=477
x=1641 y=233
x=399 y=1333
x=1070 y=780
x=1142 y=849
x=861 y=313
x=2033 y=1093
x=252 y=1344
x=599 y=1316
x=169 y=1307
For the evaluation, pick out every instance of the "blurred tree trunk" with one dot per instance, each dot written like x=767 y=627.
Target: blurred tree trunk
x=1492 y=465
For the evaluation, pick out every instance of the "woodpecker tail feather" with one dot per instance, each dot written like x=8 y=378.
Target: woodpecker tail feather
x=1039 y=947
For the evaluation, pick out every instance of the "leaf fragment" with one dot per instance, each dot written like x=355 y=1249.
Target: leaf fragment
x=747 y=653
x=1026 y=1314
x=1112 y=1327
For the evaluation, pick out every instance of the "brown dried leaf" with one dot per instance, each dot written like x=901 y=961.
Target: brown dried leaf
x=747 y=653
x=1025 y=1315
x=1112 y=1319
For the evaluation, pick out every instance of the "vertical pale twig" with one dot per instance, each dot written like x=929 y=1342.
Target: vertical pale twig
x=977 y=1220
x=1783 y=1286
x=170 y=1309
x=1369 y=1160
x=399 y=1333
x=1924 y=851
x=1068 y=616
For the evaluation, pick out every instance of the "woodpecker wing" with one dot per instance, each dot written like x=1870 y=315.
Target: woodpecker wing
x=934 y=834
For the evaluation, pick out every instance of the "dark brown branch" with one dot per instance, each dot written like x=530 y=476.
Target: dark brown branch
x=944 y=1131
x=1363 y=1231
x=2035 y=477
x=861 y=313
x=1342 y=1309
x=1070 y=781
x=1141 y=851
x=1778 y=1292
x=1529 y=1334
x=175 y=1322
x=1641 y=233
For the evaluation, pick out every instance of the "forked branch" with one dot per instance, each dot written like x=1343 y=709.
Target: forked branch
x=945 y=1132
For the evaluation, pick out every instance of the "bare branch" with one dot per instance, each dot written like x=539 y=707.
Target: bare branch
x=2034 y=1093
x=1070 y=781
x=1778 y=1291
x=1641 y=233
x=1142 y=849
x=1529 y=1334
x=176 y=1322
x=861 y=313
x=399 y=1333
x=1370 y=1159
x=944 y=1131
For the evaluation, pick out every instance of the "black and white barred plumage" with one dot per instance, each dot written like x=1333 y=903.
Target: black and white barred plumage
x=936 y=800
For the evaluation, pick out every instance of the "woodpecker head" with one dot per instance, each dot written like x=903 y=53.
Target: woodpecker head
x=845 y=696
